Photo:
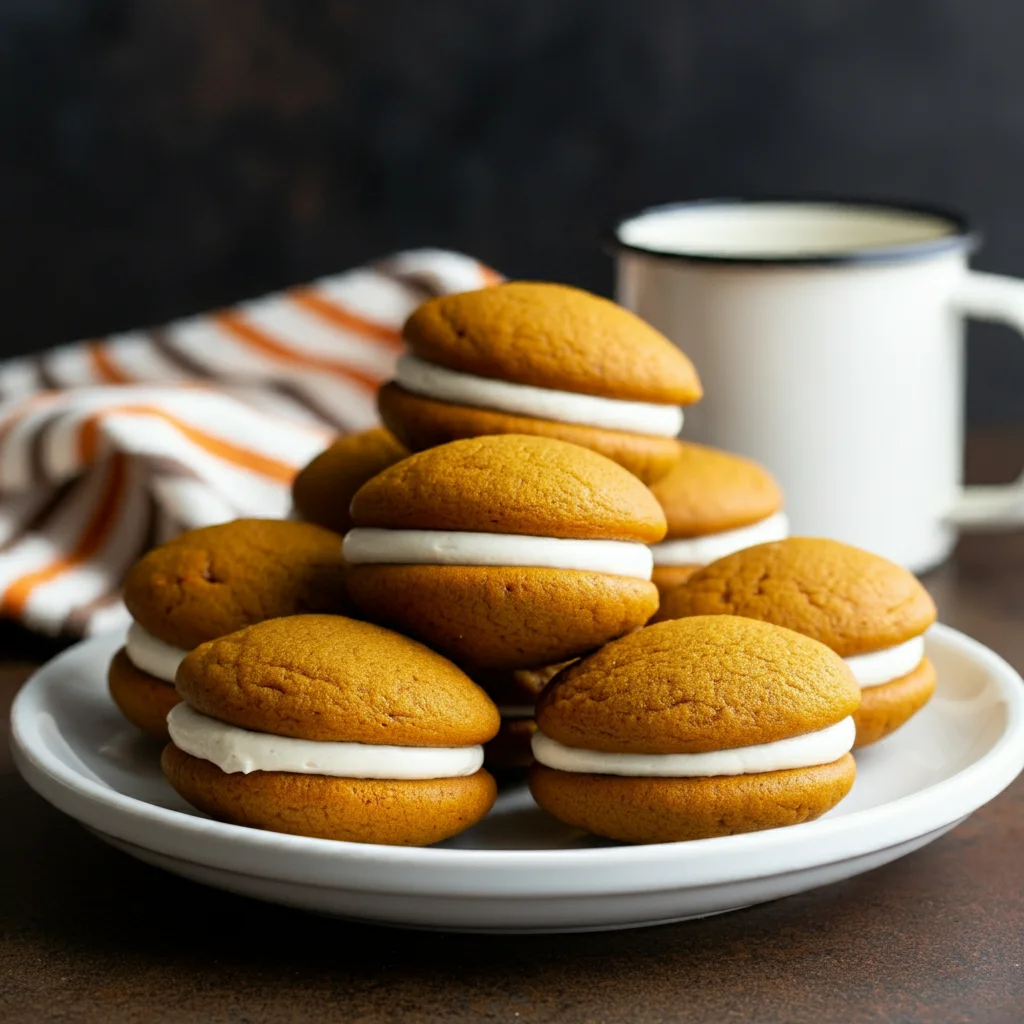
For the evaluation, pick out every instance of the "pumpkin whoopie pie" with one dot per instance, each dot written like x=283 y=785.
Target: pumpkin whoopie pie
x=535 y=358
x=505 y=552
x=869 y=611
x=322 y=491
x=695 y=728
x=319 y=725
x=210 y=582
x=715 y=503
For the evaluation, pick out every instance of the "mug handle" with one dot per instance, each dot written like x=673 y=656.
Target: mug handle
x=999 y=299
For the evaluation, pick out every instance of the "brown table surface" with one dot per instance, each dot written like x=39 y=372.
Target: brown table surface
x=88 y=934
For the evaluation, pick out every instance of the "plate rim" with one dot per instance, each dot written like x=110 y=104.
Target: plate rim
x=856 y=833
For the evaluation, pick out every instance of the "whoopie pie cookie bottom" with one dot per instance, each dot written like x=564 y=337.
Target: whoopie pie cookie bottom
x=667 y=810
x=503 y=617
x=883 y=709
x=421 y=423
x=414 y=812
x=143 y=699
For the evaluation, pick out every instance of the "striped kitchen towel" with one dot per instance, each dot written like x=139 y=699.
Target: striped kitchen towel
x=112 y=445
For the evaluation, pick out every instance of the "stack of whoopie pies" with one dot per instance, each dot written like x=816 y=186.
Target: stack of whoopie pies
x=535 y=573
x=207 y=583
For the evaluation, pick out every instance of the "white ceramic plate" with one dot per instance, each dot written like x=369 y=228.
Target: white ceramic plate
x=519 y=870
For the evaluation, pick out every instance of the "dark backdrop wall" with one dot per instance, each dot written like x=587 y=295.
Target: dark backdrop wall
x=161 y=156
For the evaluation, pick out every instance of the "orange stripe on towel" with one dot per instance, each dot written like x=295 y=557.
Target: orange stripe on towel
x=338 y=316
x=241 y=330
x=103 y=366
x=245 y=458
x=101 y=524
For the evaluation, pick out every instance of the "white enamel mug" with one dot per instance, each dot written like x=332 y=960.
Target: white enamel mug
x=829 y=338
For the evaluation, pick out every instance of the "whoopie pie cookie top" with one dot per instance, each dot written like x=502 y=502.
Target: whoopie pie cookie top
x=511 y=483
x=849 y=599
x=552 y=336
x=327 y=677
x=322 y=491
x=712 y=682
x=214 y=580
x=709 y=490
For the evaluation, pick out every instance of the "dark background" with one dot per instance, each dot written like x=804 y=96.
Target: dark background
x=162 y=156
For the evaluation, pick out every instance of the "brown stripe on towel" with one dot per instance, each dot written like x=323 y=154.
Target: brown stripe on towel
x=162 y=343
x=37 y=443
x=102 y=521
x=41 y=516
x=47 y=378
x=421 y=284
x=269 y=347
x=294 y=392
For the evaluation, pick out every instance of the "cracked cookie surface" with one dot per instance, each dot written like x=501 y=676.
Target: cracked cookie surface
x=552 y=336
x=217 y=579
x=698 y=684
x=512 y=483
x=849 y=599
x=326 y=677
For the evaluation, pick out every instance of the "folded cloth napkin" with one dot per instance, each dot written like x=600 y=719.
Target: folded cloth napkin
x=110 y=446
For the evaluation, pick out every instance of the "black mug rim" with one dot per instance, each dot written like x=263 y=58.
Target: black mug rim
x=961 y=235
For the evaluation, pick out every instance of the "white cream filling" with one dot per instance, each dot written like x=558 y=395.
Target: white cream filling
x=152 y=655
x=712 y=546
x=240 y=750
x=444 y=385
x=879 y=667
x=373 y=546
x=804 y=751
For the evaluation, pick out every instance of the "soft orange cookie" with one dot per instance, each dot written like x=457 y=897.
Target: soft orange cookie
x=868 y=610
x=322 y=491
x=699 y=727
x=544 y=359
x=505 y=552
x=210 y=582
x=715 y=503
x=323 y=726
